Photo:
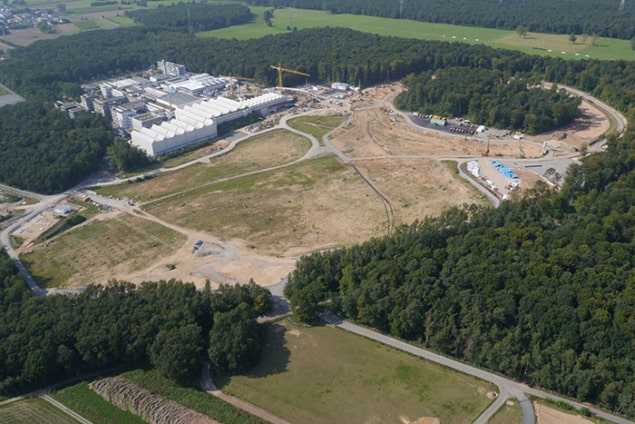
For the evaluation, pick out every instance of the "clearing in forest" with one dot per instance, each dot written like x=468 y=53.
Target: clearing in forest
x=352 y=379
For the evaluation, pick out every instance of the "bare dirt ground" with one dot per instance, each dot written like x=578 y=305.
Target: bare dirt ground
x=548 y=415
x=259 y=232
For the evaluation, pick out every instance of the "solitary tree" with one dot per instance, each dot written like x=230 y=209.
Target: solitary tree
x=573 y=38
x=521 y=31
x=633 y=43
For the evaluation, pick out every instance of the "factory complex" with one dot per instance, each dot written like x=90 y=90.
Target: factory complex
x=168 y=109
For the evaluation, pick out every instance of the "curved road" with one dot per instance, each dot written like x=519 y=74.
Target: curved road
x=507 y=388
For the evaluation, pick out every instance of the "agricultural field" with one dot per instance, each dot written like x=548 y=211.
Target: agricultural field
x=532 y=43
x=81 y=399
x=259 y=152
x=190 y=397
x=33 y=411
x=352 y=379
x=100 y=250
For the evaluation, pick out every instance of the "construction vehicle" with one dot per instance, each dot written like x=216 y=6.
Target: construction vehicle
x=280 y=70
x=231 y=82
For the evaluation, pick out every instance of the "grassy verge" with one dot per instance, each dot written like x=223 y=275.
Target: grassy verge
x=81 y=399
x=508 y=413
x=326 y=375
x=192 y=398
x=33 y=411
x=317 y=126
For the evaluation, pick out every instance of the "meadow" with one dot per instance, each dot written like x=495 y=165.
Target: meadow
x=555 y=45
x=326 y=375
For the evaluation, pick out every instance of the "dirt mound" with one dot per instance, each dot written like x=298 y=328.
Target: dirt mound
x=151 y=407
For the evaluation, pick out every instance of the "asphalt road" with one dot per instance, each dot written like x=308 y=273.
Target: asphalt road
x=507 y=388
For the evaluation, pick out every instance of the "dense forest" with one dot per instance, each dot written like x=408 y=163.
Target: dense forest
x=44 y=150
x=168 y=324
x=489 y=97
x=328 y=54
x=541 y=289
x=603 y=18
x=193 y=17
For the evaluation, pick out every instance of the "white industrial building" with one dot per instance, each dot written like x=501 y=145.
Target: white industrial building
x=197 y=84
x=199 y=121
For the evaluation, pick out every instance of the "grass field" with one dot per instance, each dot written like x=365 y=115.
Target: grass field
x=264 y=151
x=508 y=414
x=31 y=411
x=317 y=126
x=92 y=252
x=87 y=25
x=326 y=375
x=533 y=43
x=3 y=91
x=307 y=205
x=191 y=397
x=81 y=399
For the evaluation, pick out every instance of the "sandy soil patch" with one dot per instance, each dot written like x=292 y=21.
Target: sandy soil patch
x=590 y=125
x=418 y=187
x=548 y=415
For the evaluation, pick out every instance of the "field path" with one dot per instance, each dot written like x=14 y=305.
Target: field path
x=208 y=385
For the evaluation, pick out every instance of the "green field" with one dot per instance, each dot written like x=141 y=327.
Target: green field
x=533 y=43
x=81 y=399
x=317 y=126
x=508 y=414
x=326 y=375
x=3 y=91
x=95 y=250
x=87 y=25
x=30 y=411
x=259 y=152
x=192 y=398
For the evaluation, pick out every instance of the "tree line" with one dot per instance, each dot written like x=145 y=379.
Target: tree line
x=559 y=17
x=44 y=150
x=328 y=54
x=540 y=289
x=489 y=97
x=168 y=324
x=192 y=16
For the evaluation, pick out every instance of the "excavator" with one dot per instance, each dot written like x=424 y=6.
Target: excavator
x=280 y=70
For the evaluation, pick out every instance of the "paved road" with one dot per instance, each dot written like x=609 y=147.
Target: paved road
x=508 y=388
x=208 y=385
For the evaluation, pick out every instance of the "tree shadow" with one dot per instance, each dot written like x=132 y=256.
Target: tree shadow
x=274 y=360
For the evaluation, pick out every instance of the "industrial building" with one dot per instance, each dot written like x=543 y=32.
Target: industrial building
x=199 y=121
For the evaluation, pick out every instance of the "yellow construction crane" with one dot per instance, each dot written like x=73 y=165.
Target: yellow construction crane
x=280 y=70
x=231 y=83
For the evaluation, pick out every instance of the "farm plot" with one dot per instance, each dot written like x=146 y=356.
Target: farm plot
x=33 y=411
x=326 y=375
x=101 y=250
x=260 y=152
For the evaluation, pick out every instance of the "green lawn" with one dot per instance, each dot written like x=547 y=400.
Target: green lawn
x=533 y=43
x=317 y=126
x=508 y=414
x=87 y=25
x=81 y=399
x=326 y=375
x=30 y=411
